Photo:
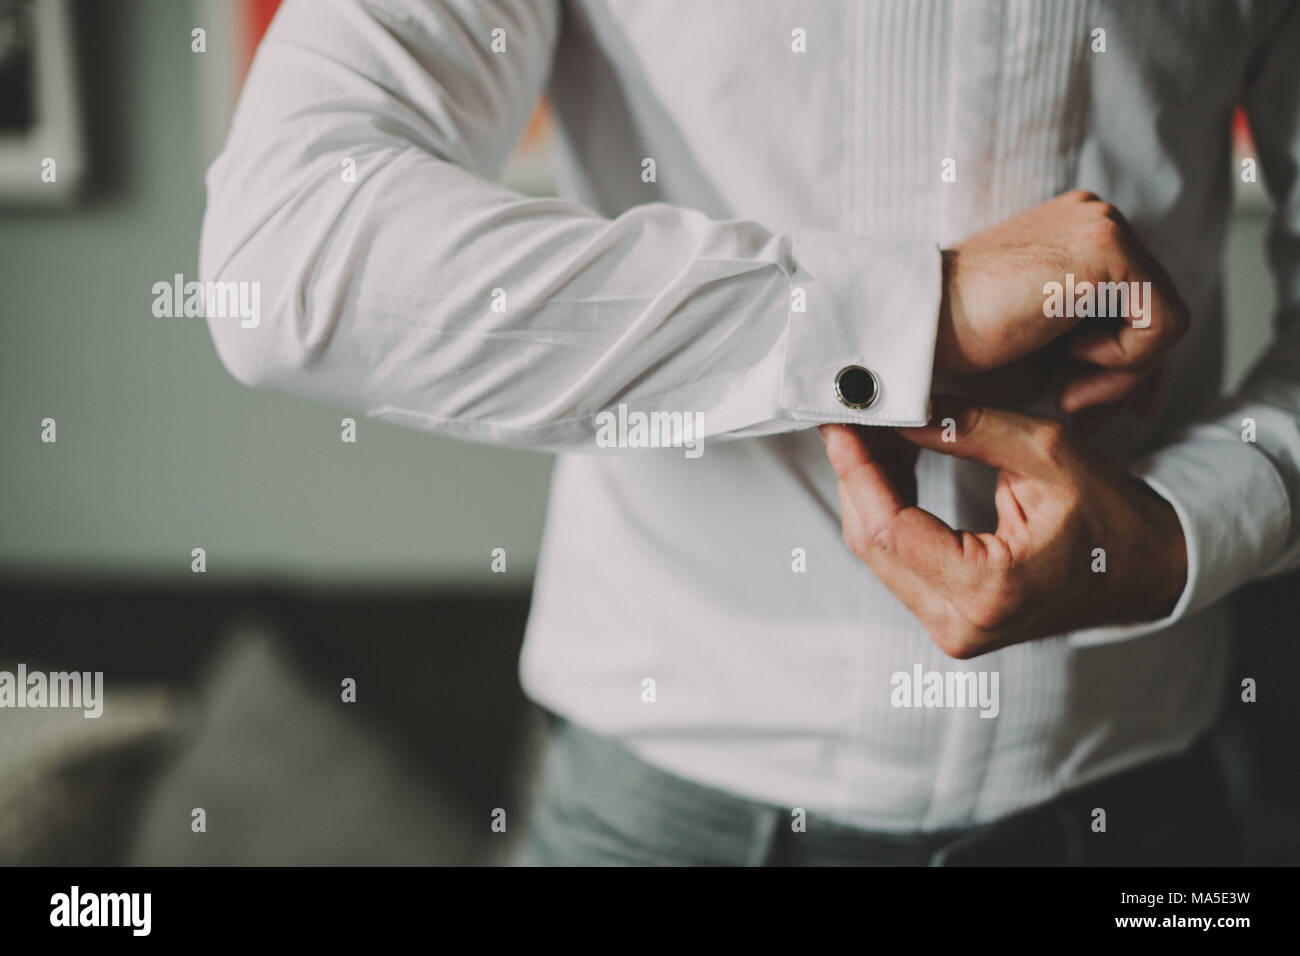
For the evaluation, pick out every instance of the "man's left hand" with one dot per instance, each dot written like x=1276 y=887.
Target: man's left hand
x=1035 y=575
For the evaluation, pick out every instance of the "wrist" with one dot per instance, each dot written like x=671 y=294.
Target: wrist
x=947 y=345
x=962 y=346
x=1169 y=562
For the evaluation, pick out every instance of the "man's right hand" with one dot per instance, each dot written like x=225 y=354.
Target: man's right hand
x=992 y=314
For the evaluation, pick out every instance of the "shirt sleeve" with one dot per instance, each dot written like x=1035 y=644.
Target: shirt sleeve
x=421 y=291
x=1234 y=479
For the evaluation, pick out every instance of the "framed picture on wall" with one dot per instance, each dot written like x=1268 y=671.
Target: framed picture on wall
x=42 y=154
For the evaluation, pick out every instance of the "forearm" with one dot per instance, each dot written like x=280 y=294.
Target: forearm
x=426 y=293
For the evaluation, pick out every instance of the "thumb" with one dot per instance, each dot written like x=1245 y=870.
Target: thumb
x=861 y=469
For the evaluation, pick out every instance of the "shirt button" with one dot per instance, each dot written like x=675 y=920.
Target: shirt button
x=856 y=387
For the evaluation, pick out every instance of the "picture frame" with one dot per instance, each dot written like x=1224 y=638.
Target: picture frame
x=42 y=148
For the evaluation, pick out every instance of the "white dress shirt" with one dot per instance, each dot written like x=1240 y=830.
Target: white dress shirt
x=776 y=171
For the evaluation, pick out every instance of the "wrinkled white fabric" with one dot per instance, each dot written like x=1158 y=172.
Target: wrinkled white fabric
x=775 y=170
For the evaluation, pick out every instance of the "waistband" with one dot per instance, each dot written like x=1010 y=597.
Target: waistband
x=1171 y=811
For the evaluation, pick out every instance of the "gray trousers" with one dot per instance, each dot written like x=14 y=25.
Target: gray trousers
x=596 y=804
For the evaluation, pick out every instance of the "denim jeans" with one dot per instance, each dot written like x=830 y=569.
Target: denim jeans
x=596 y=804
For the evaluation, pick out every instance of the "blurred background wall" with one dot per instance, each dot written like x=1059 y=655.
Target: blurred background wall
x=159 y=451
x=325 y=560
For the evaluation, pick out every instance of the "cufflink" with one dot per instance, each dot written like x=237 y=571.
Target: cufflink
x=857 y=387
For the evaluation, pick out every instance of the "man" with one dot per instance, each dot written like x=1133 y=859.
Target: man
x=784 y=215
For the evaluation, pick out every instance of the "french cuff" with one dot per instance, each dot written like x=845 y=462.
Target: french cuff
x=1235 y=514
x=860 y=338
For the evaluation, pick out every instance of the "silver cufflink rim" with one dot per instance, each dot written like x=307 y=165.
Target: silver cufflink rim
x=839 y=392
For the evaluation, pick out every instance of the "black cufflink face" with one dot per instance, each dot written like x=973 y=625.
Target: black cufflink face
x=856 y=387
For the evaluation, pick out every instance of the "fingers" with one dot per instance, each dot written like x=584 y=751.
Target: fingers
x=1097 y=397
x=1089 y=421
x=860 y=459
x=1153 y=315
x=1147 y=399
x=1103 y=387
x=1019 y=444
x=1138 y=316
x=972 y=592
x=895 y=457
x=889 y=532
x=963 y=587
x=917 y=596
x=1128 y=346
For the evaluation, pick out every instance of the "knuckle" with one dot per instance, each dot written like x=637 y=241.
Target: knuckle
x=883 y=538
x=1070 y=494
x=959 y=642
x=1105 y=232
x=944 y=634
x=1053 y=440
x=855 y=538
x=987 y=613
x=1082 y=196
x=1107 y=211
x=998 y=603
x=864 y=541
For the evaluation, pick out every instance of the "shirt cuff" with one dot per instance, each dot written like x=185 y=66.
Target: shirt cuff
x=866 y=303
x=1235 y=514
